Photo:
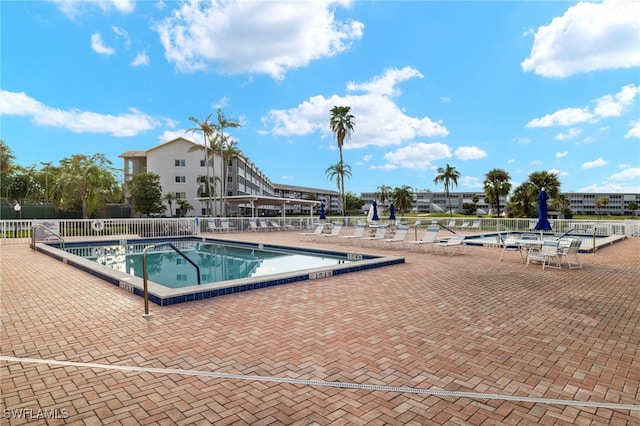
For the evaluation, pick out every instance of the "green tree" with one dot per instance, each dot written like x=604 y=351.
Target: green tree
x=341 y=124
x=224 y=123
x=547 y=180
x=383 y=193
x=447 y=176
x=600 y=204
x=185 y=207
x=145 y=194
x=338 y=172
x=403 y=198
x=496 y=184
x=523 y=201
x=169 y=197
x=91 y=180
x=354 y=203
x=207 y=129
x=633 y=206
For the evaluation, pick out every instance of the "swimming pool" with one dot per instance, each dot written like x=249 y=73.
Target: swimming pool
x=271 y=264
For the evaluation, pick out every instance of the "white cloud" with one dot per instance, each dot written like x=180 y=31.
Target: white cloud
x=378 y=120
x=255 y=37
x=124 y=124
x=570 y=134
x=563 y=117
x=634 y=132
x=614 y=105
x=98 y=45
x=626 y=174
x=140 y=59
x=470 y=182
x=469 y=153
x=557 y=172
x=597 y=163
x=74 y=8
x=562 y=154
x=123 y=34
x=445 y=99
x=418 y=155
x=588 y=37
x=522 y=141
x=387 y=83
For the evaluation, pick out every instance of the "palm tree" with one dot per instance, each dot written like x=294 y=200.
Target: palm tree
x=169 y=197
x=207 y=129
x=184 y=206
x=403 y=198
x=341 y=124
x=547 y=180
x=384 y=193
x=448 y=175
x=224 y=123
x=496 y=184
x=338 y=172
x=601 y=203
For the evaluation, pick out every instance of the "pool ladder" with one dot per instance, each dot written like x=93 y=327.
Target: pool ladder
x=144 y=270
x=46 y=228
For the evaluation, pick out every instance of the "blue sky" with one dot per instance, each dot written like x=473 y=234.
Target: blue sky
x=520 y=86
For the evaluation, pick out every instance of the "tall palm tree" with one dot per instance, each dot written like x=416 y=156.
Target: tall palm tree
x=403 y=198
x=341 y=123
x=547 y=180
x=447 y=176
x=496 y=184
x=206 y=128
x=383 y=193
x=224 y=123
x=338 y=172
x=185 y=206
x=169 y=197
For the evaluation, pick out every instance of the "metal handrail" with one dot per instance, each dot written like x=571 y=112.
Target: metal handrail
x=144 y=270
x=46 y=228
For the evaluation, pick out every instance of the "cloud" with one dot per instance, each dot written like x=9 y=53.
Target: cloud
x=562 y=154
x=597 y=163
x=387 y=83
x=570 y=134
x=563 y=117
x=614 y=105
x=626 y=174
x=125 y=124
x=634 y=132
x=469 y=153
x=99 y=47
x=378 y=119
x=140 y=59
x=588 y=37
x=267 y=37
x=418 y=155
x=74 y=8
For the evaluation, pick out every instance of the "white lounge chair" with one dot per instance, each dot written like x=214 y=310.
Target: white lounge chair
x=428 y=239
x=335 y=232
x=549 y=255
x=381 y=232
x=451 y=245
x=212 y=227
x=358 y=233
x=253 y=225
x=262 y=224
x=475 y=225
x=310 y=235
x=452 y=223
x=224 y=225
x=398 y=237
x=464 y=225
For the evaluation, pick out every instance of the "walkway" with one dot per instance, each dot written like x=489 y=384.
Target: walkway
x=439 y=340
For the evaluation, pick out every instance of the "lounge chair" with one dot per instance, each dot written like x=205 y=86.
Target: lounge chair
x=263 y=225
x=508 y=244
x=475 y=225
x=452 y=223
x=358 y=233
x=398 y=237
x=224 y=226
x=451 y=245
x=464 y=225
x=277 y=227
x=429 y=238
x=253 y=225
x=549 y=255
x=212 y=227
x=335 y=232
x=381 y=232
x=310 y=235
x=572 y=250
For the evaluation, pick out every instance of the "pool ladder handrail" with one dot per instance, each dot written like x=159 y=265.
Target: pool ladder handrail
x=46 y=228
x=144 y=270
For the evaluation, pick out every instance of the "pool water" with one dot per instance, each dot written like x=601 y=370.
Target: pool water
x=217 y=262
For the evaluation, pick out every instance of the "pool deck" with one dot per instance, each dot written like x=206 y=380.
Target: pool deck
x=456 y=340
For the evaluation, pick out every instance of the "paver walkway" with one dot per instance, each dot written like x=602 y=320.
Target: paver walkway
x=439 y=340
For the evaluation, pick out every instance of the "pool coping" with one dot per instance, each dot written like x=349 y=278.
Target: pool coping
x=586 y=247
x=165 y=296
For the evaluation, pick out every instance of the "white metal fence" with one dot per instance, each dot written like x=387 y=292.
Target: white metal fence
x=21 y=231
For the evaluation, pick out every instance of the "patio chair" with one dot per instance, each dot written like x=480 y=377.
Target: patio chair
x=451 y=245
x=475 y=225
x=381 y=232
x=224 y=226
x=358 y=233
x=310 y=235
x=262 y=223
x=428 y=239
x=464 y=225
x=212 y=227
x=398 y=237
x=548 y=256
x=335 y=233
x=452 y=223
x=508 y=244
x=253 y=225
x=572 y=250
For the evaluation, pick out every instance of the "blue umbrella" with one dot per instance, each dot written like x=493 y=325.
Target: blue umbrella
x=375 y=211
x=543 y=223
x=322 y=213
x=392 y=211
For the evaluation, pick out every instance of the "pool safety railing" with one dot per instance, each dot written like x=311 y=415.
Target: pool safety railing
x=144 y=270
x=47 y=229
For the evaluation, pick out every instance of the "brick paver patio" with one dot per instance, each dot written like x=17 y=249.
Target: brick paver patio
x=439 y=340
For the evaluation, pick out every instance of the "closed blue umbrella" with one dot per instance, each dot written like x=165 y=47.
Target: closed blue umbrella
x=392 y=211
x=322 y=212
x=375 y=211
x=543 y=223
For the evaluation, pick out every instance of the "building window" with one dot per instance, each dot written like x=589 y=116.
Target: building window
x=181 y=179
x=181 y=195
x=180 y=163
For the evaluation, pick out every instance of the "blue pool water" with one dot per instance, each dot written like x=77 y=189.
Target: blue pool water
x=217 y=262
